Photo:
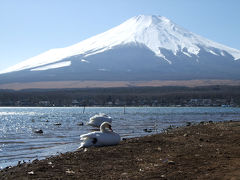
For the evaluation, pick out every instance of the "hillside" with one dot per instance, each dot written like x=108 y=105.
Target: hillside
x=143 y=48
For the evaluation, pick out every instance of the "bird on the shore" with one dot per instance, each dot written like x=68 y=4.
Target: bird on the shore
x=98 y=119
x=104 y=137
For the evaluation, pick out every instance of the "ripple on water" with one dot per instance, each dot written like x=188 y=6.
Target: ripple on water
x=19 y=142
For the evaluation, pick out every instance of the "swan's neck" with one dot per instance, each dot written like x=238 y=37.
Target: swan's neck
x=104 y=130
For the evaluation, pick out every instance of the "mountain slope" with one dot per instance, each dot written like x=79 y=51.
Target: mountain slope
x=142 y=48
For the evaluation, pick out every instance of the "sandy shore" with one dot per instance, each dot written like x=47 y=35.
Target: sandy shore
x=203 y=151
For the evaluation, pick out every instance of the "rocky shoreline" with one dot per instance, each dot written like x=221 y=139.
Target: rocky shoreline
x=203 y=151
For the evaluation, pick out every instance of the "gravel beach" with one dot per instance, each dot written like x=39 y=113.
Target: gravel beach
x=204 y=151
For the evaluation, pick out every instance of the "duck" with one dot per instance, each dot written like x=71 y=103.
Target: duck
x=104 y=137
x=98 y=119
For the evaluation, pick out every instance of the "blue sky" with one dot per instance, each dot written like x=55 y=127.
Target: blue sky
x=30 y=27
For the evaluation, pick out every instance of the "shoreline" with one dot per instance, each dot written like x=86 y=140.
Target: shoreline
x=203 y=151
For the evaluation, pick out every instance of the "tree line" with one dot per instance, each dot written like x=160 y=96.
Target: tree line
x=130 y=96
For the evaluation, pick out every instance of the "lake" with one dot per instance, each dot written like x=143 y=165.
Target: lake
x=19 y=142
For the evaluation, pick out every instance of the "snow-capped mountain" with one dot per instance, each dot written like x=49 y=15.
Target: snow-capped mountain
x=141 y=48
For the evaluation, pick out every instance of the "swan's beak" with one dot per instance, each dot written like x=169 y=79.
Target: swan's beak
x=110 y=127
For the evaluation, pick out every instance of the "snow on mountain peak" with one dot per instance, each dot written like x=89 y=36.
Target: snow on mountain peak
x=155 y=32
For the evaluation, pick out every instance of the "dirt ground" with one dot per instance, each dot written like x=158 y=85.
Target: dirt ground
x=203 y=151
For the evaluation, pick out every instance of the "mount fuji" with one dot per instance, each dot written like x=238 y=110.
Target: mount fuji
x=143 y=48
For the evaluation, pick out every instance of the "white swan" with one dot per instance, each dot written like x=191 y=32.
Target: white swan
x=104 y=137
x=98 y=119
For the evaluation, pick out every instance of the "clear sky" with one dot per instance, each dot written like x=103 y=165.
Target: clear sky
x=30 y=27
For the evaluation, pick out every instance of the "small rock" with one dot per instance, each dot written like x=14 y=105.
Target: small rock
x=80 y=124
x=39 y=131
x=147 y=130
x=185 y=135
x=68 y=171
x=57 y=124
x=188 y=123
x=124 y=174
x=35 y=161
x=171 y=163
x=31 y=173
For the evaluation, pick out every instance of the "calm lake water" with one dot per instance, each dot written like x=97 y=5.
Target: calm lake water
x=19 y=142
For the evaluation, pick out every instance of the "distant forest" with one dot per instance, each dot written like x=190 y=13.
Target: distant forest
x=129 y=96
